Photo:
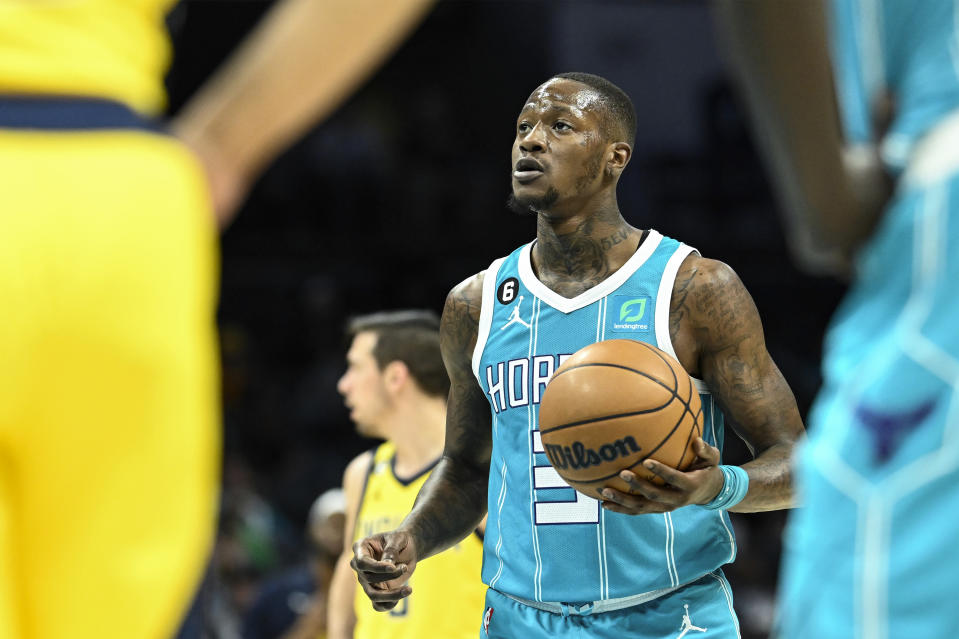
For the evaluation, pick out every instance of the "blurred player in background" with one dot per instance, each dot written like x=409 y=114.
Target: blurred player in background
x=109 y=421
x=293 y=605
x=878 y=182
x=556 y=562
x=396 y=387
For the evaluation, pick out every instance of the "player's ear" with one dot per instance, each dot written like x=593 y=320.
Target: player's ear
x=395 y=375
x=617 y=158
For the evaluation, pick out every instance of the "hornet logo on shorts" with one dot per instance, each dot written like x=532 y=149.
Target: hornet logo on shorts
x=628 y=314
x=889 y=429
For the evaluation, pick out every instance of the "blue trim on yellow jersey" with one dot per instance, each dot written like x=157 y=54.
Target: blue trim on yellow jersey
x=366 y=483
x=70 y=114
x=409 y=480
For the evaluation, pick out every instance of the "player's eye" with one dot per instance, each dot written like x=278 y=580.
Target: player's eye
x=559 y=125
x=524 y=127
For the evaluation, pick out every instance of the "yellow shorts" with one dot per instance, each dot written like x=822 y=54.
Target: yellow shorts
x=109 y=423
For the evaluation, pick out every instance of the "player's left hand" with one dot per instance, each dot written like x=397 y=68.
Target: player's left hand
x=697 y=485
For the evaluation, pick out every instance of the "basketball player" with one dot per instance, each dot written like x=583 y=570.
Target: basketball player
x=869 y=556
x=396 y=387
x=108 y=401
x=646 y=563
x=293 y=604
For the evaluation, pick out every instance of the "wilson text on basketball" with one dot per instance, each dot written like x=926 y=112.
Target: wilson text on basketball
x=577 y=456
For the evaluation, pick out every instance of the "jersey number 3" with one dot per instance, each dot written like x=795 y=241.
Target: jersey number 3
x=581 y=509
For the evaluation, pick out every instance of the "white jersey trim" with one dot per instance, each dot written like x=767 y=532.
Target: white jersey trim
x=568 y=305
x=934 y=157
x=486 y=314
x=594 y=607
x=663 y=299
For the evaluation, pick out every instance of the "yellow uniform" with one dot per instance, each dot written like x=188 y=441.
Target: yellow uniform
x=448 y=595
x=112 y=49
x=108 y=415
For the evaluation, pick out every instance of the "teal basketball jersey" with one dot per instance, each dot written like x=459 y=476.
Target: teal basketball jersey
x=868 y=554
x=544 y=541
x=907 y=48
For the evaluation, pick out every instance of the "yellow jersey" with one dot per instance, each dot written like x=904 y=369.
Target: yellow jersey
x=448 y=595
x=111 y=49
x=109 y=410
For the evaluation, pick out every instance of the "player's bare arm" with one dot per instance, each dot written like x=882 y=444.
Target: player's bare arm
x=283 y=79
x=718 y=337
x=342 y=587
x=452 y=502
x=779 y=56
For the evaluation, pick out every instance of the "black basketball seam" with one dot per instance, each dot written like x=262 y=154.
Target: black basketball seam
x=685 y=402
x=692 y=385
x=625 y=368
x=605 y=417
x=674 y=392
x=642 y=459
x=658 y=354
x=655 y=350
x=692 y=432
x=696 y=425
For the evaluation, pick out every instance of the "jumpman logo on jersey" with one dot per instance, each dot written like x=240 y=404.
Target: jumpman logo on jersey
x=515 y=317
x=688 y=624
x=888 y=428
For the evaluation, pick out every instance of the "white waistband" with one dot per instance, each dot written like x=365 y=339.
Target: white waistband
x=594 y=607
x=936 y=155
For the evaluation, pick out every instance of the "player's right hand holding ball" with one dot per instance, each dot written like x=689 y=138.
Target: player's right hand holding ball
x=383 y=565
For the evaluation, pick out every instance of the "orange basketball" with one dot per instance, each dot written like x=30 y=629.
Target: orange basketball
x=613 y=405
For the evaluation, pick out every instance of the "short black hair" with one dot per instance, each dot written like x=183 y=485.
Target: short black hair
x=411 y=337
x=619 y=124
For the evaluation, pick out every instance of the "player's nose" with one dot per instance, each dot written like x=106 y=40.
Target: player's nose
x=534 y=140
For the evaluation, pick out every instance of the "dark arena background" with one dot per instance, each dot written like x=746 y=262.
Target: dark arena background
x=401 y=194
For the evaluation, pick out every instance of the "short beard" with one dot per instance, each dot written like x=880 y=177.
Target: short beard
x=532 y=206
x=591 y=169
